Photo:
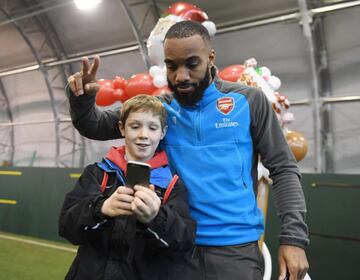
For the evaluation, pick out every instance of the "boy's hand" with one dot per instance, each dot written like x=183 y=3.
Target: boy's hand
x=119 y=203
x=85 y=80
x=146 y=203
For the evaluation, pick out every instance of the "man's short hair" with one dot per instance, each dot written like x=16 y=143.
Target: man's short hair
x=188 y=28
x=143 y=103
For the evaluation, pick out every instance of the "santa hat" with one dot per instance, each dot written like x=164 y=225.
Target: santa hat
x=191 y=12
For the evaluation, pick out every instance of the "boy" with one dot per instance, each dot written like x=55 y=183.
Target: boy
x=129 y=233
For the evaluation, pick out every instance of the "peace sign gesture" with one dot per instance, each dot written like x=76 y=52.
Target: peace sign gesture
x=85 y=80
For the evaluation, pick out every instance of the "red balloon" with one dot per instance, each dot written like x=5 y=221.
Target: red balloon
x=120 y=95
x=119 y=82
x=232 y=73
x=161 y=91
x=187 y=11
x=178 y=8
x=105 y=82
x=105 y=96
x=140 y=84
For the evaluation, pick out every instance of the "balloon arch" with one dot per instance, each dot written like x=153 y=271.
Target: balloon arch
x=155 y=82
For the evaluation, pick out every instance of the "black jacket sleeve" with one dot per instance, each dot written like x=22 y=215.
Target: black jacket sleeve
x=90 y=121
x=77 y=222
x=173 y=229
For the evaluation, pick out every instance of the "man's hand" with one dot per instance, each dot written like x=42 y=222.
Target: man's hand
x=292 y=262
x=146 y=203
x=119 y=203
x=85 y=80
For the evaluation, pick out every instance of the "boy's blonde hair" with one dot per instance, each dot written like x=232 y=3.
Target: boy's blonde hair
x=143 y=103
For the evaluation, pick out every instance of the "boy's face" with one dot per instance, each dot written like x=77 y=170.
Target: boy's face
x=142 y=132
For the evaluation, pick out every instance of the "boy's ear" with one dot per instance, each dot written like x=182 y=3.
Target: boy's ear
x=164 y=130
x=121 y=128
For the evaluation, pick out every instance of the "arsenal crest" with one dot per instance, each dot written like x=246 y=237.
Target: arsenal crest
x=225 y=105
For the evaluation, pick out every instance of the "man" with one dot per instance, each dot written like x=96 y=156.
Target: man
x=216 y=131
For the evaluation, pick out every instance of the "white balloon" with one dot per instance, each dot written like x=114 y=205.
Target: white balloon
x=274 y=82
x=156 y=38
x=265 y=72
x=156 y=50
x=160 y=81
x=155 y=71
x=288 y=117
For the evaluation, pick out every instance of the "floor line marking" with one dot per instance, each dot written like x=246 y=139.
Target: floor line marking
x=43 y=244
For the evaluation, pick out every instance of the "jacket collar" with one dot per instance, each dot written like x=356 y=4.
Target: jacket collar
x=117 y=156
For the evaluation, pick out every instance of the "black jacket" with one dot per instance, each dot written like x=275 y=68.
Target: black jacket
x=123 y=248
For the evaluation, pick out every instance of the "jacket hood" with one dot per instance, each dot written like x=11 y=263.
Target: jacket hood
x=117 y=156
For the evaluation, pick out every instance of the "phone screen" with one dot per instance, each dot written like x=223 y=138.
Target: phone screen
x=137 y=173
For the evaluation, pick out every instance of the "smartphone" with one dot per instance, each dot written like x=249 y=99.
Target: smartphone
x=137 y=173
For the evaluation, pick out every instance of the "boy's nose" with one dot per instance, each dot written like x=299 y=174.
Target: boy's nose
x=143 y=133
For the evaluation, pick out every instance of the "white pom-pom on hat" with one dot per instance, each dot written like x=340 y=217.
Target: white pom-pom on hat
x=210 y=26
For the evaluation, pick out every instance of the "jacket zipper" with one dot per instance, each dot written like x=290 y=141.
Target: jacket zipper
x=197 y=124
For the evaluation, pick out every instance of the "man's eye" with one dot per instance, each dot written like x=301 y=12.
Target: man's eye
x=192 y=65
x=134 y=126
x=170 y=66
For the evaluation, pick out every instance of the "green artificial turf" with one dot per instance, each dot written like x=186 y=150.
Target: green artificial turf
x=22 y=261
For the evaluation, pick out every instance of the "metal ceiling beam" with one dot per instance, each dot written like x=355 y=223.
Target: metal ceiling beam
x=64 y=120
x=306 y=20
x=47 y=82
x=325 y=90
x=10 y=117
x=156 y=9
x=335 y=7
x=53 y=41
x=135 y=47
x=37 y=12
x=138 y=35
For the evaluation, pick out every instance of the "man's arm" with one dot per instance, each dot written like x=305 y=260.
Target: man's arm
x=86 y=117
x=270 y=143
x=90 y=121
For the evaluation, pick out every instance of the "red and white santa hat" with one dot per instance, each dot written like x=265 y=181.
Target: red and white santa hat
x=191 y=12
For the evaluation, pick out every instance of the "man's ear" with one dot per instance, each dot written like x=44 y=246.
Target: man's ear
x=121 y=128
x=212 y=57
x=164 y=130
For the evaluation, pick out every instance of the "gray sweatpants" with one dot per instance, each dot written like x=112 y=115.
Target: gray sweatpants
x=237 y=262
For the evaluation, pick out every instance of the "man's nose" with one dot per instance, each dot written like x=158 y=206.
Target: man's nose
x=182 y=75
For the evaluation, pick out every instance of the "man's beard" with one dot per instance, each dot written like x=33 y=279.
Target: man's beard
x=190 y=99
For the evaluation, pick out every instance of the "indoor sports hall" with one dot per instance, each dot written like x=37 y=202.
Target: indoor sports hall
x=304 y=55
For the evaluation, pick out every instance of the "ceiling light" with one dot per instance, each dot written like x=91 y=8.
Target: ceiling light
x=86 y=4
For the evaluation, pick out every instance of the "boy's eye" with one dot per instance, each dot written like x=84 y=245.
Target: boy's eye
x=154 y=128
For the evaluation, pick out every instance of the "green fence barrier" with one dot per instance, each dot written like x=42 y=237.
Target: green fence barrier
x=31 y=198
x=333 y=204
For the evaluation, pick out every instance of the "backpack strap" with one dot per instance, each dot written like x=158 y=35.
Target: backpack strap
x=104 y=182
x=170 y=188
